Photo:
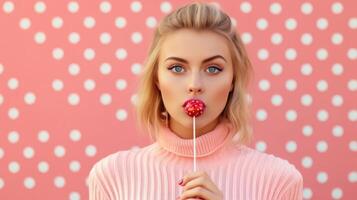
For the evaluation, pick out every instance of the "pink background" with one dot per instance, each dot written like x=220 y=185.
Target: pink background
x=69 y=71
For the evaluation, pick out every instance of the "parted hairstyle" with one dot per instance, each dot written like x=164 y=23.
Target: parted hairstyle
x=199 y=17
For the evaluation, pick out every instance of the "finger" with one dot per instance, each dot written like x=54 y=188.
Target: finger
x=200 y=181
x=192 y=175
x=197 y=192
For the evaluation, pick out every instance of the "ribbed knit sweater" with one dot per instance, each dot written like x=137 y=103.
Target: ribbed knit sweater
x=153 y=172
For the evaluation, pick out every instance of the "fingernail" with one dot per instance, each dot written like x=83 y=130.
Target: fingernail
x=180 y=183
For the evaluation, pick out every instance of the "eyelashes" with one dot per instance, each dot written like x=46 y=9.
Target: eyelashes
x=216 y=69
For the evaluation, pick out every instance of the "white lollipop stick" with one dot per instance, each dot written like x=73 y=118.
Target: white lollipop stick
x=194 y=143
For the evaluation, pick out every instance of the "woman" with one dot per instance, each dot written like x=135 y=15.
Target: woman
x=196 y=56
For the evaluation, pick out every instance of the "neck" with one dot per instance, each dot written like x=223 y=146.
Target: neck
x=187 y=132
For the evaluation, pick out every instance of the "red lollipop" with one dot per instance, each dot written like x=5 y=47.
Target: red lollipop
x=194 y=107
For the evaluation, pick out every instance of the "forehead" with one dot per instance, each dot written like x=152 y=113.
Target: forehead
x=192 y=44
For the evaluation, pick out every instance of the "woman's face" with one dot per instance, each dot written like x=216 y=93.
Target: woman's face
x=194 y=64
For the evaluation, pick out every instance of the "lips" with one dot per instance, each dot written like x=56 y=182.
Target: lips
x=194 y=107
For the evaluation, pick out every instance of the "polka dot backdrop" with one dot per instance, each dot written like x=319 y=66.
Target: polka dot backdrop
x=68 y=74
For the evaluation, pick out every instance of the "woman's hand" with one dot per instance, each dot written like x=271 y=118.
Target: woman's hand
x=198 y=185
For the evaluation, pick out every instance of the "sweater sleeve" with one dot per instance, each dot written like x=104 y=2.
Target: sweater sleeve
x=96 y=191
x=295 y=189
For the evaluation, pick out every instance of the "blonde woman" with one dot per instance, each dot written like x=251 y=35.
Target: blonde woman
x=196 y=58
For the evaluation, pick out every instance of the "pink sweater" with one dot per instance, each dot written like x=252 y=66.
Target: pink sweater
x=153 y=172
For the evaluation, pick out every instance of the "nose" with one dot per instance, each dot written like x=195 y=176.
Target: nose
x=195 y=85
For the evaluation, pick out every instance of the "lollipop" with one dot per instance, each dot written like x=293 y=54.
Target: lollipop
x=194 y=108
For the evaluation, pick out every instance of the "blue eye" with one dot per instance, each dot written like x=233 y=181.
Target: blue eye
x=175 y=67
x=214 y=68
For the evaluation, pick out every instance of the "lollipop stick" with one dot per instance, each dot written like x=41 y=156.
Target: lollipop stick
x=194 y=144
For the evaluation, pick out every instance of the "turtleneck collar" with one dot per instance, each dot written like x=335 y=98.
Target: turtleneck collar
x=206 y=144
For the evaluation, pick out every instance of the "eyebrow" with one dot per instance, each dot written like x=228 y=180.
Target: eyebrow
x=204 y=61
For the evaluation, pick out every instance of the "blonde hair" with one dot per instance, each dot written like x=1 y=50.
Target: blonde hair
x=200 y=17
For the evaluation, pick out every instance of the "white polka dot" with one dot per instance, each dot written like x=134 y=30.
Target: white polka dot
x=29 y=183
x=306 y=39
x=134 y=99
x=25 y=23
x=352 y=85
x=8 y=7
x=322 y=115
x=121 y=84
x=352 y=177
x=261 y=146
x=73 y=7
x=74 y=196
x=337 y=100
x=90 y=150
x=74 y=166
x=321 y=146
x=352 y=23
x=1 y=99
x=59 y=151
x=105 y=7
x=14 y=167
x=73 y=99
x=290 y=24
x=73 y=69
x=28 y=152
x=120 y=22
x=276 y=69
x=151 y=22
x=262 y=24
x=40 y=37
x=337 y=131
x=136 y=68
x=291 y=146
x=337 y=69
x=43 y=136
x=89 y=84
x=246 y=38
x=276 y=100
x=291 y=85
x=2 y=153
x=322 y=85
x=261 y=115
x=165 y=7
x=89 y=54
x=2 y=68
x=352 y=115
x=13 y=113
x=75 y=135
x=233 y=21
x=74 y=38
x=276 y=38
x=13 y=137
x=307 y=193
x=136 y=6
x=89 y=22
x=245 y=7
x=30 y=98
x=306 y=69
x=307 y=130
x=306 y=8
x=40 y=7
x=264 y=85
x=290 y=54
x=322 y=23
x=57 y=53
x=337 y=193
x=121 y=114
x=337 y=38
x=105 y=68
x=57 y=22
x=13 y=83
x=263 y=54
x=352 y=54
x=57 y=85
x=322 y=54
x=307 y=162
x=43 y=167
x=121 y=54
x=105 y=38
x=322 y=177
x=2 y=183
x=291 y=115
x=275 y=8
x=105 y=99
x=136 y=37
x=306 y=100
x=337 y=8
x=59 y=182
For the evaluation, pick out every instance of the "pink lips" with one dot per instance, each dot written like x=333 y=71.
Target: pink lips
x=194 y=107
